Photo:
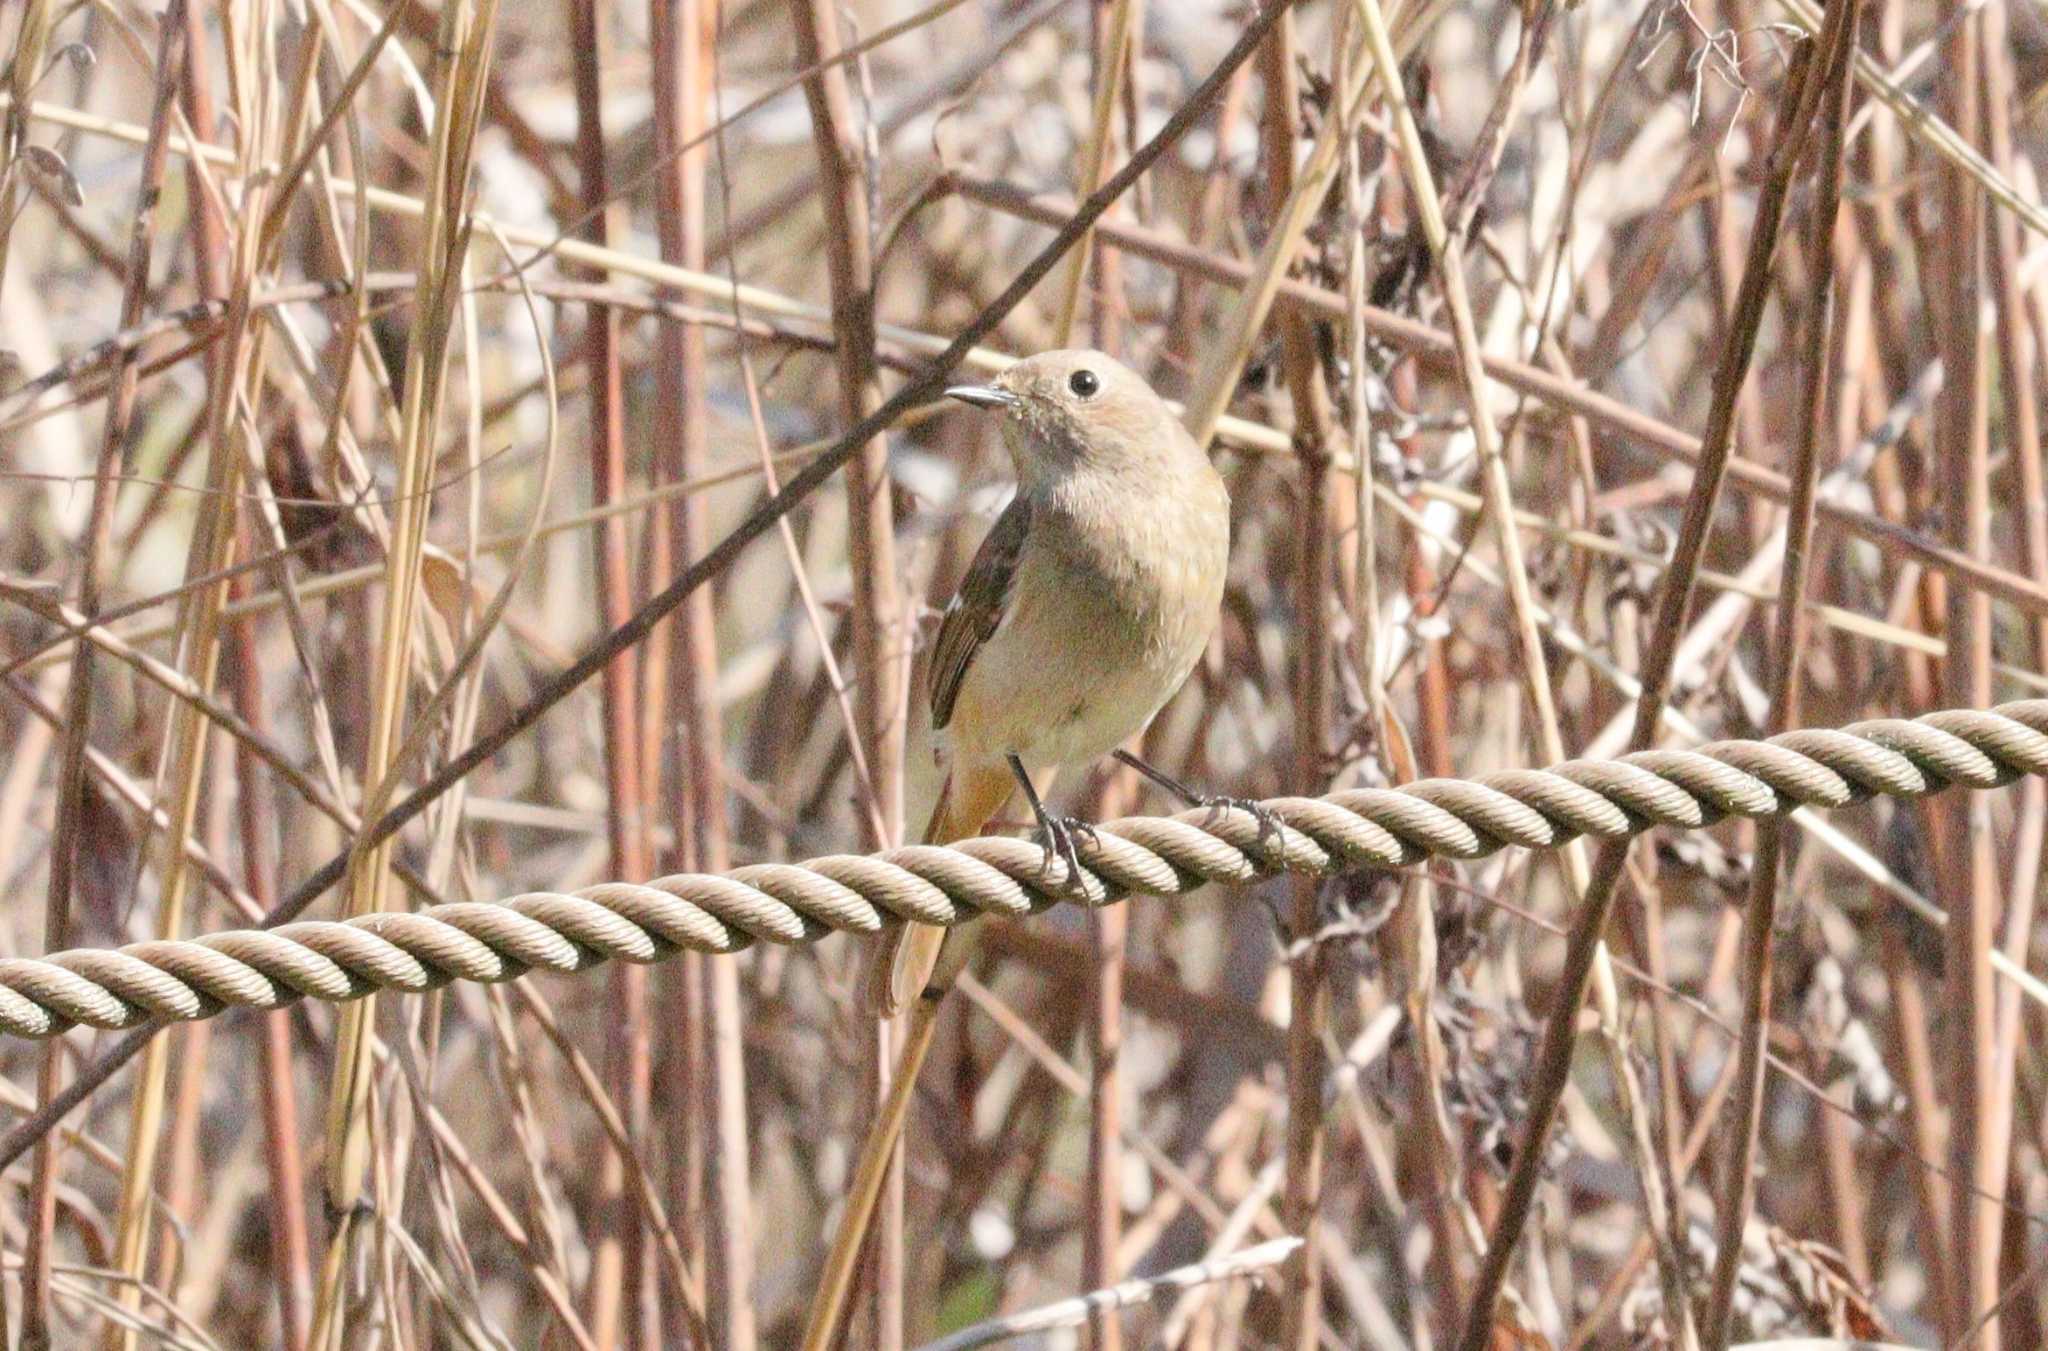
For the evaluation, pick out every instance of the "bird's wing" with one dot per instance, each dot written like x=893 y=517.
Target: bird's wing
x=977 y=610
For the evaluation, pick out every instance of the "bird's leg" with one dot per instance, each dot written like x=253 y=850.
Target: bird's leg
x=1057 y=831
x=1268 y=823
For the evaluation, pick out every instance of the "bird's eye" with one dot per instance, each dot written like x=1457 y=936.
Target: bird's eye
x=1084 y=383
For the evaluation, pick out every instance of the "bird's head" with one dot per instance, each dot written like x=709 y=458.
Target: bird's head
x=1079 y=410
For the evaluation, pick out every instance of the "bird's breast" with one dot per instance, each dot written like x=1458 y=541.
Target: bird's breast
x=1115 y=598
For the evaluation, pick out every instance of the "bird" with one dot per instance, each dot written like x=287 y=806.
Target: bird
x=1085 y=609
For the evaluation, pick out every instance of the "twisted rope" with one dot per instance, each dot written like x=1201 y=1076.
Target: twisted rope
x=1135 y=856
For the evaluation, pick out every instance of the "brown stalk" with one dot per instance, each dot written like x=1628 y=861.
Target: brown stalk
x=1788 y=652
x=1913 y=1011
x=1657 y=1169
x=182 y=759
x=1725 y=229
x=1552 y=1070
x=724 y=1018
x=1308 y=999
x=1411 y=935
x=620 y=1270
x=1102 y=1227
x=1970 y=885
x=289 y=1244
x=1447 y=256
x=1183 y=323
x=66 y=839
x=1111 y=54
x=683 y=31
x=1913 y=1021
x=291 y=1263
x=1424 y=752
x=850 y=266
x=2020 y=347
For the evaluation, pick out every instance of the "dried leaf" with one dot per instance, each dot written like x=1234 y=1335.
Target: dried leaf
x=50 y=164
x=446 y=588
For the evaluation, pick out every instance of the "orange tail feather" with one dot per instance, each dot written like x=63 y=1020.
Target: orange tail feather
x=971 y=796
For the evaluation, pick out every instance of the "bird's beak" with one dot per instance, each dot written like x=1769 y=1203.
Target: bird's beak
x=982 y=396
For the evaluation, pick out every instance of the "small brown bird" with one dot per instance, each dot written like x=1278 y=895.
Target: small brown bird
x=1082 y=613
x=1084 y=610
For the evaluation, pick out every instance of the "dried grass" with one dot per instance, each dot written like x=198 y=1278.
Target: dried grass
x=369 y=363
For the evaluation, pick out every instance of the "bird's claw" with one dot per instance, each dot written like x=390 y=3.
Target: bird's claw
x=1269 y=823
x=1057 y=837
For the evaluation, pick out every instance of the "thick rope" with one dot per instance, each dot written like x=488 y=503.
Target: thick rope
x=1366 y=828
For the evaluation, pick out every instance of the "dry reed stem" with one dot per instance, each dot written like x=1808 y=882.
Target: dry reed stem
x=1295 y=203
x=182 y=762
x=844 y=179
x=2019 y=350
x=464 y=36
x=1970 y=883
x=25 y=70
x=1789 y=652
x=115 y=447
x=1225 y=354
x=683 y=36
x=1110 y=55
x=620 y=1272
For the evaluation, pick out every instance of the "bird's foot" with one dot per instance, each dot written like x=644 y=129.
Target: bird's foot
x=1269 y=824
x=1056 y=834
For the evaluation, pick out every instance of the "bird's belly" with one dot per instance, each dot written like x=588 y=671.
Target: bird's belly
x=1071 y=698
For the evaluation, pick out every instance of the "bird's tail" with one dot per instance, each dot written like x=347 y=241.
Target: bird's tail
x=909 y=960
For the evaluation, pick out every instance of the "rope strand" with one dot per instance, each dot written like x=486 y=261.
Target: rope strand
x=1136 y=856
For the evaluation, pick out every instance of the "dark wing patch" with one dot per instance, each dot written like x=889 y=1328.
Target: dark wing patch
x=979 y=607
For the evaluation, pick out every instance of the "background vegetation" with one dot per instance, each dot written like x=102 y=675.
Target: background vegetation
x=368 y=362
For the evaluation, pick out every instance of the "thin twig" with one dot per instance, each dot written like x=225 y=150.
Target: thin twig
x=66 y=838
x=1789 y=656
